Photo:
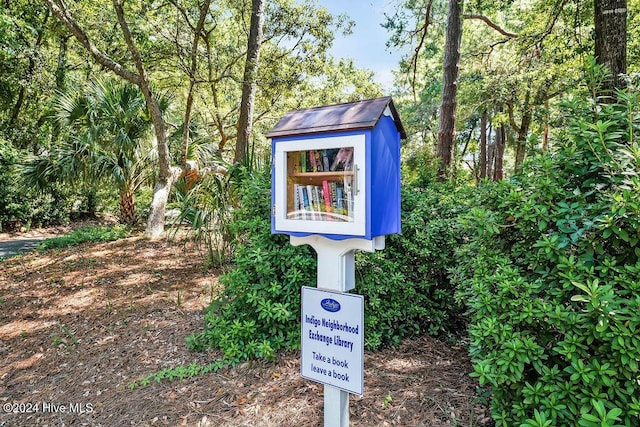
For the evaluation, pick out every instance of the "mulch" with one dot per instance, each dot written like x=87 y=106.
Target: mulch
x=79 y=325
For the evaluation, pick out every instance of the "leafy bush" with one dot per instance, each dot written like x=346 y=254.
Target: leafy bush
x=551 y=277
x=205 y=207
x=86 y=234
x=260 y=306
x=405 y=286
x=21 y=206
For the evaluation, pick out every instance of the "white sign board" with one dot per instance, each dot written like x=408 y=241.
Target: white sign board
x=332 y=338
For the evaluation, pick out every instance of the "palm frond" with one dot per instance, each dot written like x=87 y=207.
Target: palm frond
x=110 y=137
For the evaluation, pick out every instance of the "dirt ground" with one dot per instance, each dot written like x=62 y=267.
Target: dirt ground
x=78 y=325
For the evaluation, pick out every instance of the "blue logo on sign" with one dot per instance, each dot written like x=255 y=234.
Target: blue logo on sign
x=330 y=304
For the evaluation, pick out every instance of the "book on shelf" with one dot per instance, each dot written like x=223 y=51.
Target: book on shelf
x=339 y=200
x=333 y=196
x=343 y=159
x=312 y=161
x=325 y=160
x=300 y=210
x=317 y=202
x=326 y=196
x=310 y=207
x=329 y=197
x=303 y=161
x=329 y=160
x=327 y=202
x=318 y=156
x=348 y=195
x=305 y=198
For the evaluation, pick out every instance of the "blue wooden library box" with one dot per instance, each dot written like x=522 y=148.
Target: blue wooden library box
x=336 y=171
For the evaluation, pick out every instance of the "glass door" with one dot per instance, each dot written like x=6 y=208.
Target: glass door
x=321 y=192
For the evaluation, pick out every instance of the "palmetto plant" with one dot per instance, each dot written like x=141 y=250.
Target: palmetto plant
x=206 y=208
x=109 y=141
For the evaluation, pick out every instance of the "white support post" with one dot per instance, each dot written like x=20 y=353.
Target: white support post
x=336 y=272
x=336 y=265
x=336 y=407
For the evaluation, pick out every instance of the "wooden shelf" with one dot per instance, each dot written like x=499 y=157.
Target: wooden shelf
x=322 y=174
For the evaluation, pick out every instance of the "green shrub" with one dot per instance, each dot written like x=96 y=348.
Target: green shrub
x=259 y=310
x=405 y=286
x=86 y=234
x=21 y=206
x=551 y=277
x=206 y=209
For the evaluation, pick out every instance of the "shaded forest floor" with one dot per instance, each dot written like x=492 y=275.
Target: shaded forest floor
x=78 y=325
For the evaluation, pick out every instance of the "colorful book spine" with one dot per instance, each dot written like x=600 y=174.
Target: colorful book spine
x=348 y=195
x=319 y=167
x=327 y=196
x=312 y=161
x=342 y=159
x=334 y=196
x=325 y=160
x=317 y=192
x=303 y=161
x=305 y=198
x=313 y=203
x=348 y=162
x=301 y=206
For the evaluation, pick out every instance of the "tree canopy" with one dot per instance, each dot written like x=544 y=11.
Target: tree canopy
x=517 y=60
x=194 y=52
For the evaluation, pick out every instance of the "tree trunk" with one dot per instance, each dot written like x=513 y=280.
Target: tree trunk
x=127 y=207
x=611 y=41
x=491 y=150
x=521 y=142
x=446 y=132
x=483 y=145
x=522 y=130
x=166 y=174
x=30 y=69
x=155 y=222
x=192 y=82
x=61 y=68
x=249 y=81
x=545 y=132
x=218 y=119
x=501 y=142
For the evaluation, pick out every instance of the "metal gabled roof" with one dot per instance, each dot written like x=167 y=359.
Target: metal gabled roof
x=339 y=117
